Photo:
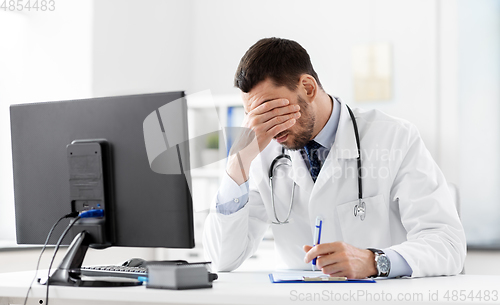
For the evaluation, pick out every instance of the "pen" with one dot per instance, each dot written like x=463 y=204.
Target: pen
x=317 y=238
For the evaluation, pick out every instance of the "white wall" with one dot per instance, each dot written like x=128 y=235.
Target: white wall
x=447 y=94
x=141 y=46
x=43 y=56
x=479 y=102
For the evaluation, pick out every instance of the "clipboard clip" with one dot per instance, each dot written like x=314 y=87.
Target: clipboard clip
x=325 y=279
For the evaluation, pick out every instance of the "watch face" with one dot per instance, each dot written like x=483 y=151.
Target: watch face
x=383 y=263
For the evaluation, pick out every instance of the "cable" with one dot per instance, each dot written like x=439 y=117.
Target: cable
x=84 y=214
x=70 y=215
x=54 y=255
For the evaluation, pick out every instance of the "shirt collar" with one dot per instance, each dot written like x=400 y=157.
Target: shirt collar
x=326 y=136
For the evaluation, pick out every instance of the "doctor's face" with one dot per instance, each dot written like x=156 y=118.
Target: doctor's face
x=297 y=136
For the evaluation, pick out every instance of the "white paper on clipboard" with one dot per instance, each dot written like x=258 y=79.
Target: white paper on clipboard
x=297 y=276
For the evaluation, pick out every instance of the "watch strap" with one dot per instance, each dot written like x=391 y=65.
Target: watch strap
x=378 y=253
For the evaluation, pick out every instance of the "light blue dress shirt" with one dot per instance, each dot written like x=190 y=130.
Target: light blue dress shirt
x=232 y=197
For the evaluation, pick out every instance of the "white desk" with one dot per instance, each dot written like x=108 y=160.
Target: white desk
x=255 y=288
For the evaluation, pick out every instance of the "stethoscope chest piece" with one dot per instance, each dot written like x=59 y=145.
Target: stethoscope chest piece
x=360 y=210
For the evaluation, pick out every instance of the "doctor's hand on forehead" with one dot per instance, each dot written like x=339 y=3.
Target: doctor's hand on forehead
x=263 y=122
x=341 y=259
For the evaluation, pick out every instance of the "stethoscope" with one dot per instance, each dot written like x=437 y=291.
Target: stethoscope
x=285 y=160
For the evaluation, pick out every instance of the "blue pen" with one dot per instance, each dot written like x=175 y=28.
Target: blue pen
x=317 y=238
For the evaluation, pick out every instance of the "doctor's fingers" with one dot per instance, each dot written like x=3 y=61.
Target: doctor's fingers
x=267 y=126
x=265 y=135
x=276 y=129
x=262 y=125
x=332 y=258
x=351 y=265
x=268 y=106
x=323 y=249
x=341 y=269
x=258 y=117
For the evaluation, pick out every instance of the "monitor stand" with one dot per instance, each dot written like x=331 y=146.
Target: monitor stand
x=68 y=272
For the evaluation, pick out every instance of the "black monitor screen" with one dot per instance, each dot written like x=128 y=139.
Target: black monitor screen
x=149 y=209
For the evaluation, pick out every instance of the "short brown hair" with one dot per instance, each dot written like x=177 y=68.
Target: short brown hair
x=282 y=60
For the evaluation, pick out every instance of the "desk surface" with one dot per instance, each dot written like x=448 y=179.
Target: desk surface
x=255 y=288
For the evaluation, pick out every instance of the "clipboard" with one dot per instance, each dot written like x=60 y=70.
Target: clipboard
x=300 y=278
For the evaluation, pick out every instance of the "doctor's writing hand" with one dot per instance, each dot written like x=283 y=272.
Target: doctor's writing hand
x=341 y=259
x=263 y=121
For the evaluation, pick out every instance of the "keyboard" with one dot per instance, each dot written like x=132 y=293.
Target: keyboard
x=129 y=272
x=114 y=271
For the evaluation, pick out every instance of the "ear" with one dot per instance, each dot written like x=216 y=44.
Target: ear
x=308 y=84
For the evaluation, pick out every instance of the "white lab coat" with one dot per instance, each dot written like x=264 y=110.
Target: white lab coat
x=408 y=206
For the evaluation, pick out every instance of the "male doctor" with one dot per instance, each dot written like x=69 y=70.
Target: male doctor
x=410 y=226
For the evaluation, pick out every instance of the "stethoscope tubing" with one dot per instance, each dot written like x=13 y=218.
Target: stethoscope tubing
x=356 y=134
x=358 y=209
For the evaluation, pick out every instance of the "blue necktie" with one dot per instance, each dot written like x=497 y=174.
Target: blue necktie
x=312 y=154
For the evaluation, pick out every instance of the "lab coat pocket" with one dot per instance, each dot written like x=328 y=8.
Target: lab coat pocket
x=373 y=231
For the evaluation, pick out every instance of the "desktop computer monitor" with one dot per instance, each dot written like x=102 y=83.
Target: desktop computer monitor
x=54 y=174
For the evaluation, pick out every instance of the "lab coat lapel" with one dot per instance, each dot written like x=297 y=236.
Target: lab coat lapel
x=345 y=141
x=344 y=147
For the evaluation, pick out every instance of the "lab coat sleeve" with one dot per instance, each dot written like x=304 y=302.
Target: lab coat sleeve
x=231 y=197
x=228 y=240
x=399 y=267
x=435 y=237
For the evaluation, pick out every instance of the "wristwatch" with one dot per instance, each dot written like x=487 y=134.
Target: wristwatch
x=382 y=262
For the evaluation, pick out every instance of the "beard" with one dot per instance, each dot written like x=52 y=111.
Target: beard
x=305 y=124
